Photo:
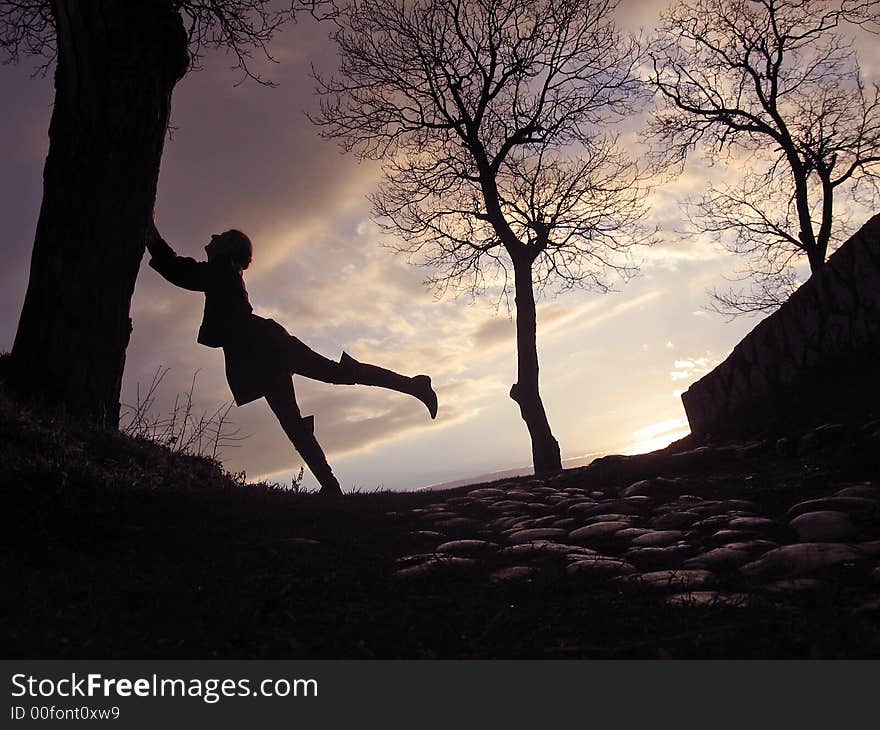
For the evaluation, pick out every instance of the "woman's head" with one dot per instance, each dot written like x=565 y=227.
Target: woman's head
x=232 y=244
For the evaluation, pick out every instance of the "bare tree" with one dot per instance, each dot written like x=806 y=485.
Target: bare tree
x=116 y=65
x=490 y=116
x=775 y=88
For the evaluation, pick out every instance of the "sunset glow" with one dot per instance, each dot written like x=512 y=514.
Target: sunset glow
x=613 y=366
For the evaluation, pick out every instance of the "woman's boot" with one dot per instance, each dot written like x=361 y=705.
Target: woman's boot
x=301 y=433
x=366 y=374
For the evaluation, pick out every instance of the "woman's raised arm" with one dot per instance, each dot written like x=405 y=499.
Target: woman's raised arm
x=181 y=271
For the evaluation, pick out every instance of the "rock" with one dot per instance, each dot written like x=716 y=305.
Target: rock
x=425 y=535
x=431 y=509
x=639 y=500
x=871 y=426
x=837 y=504
x=740 y=504
x=870 y=548
x=539 y=533
x=486 y=492
x=584 y=508
x=786 y=446
x=828 y=434
x=753 y=546
x=543 y=521
x=723 y=558
x=518 y=526
x=658 y=538
x=461 y=501
x=823 y=526
x=677 y=579
x=708 y=510
x=711 y=599
x=415 y=559
x=712 y=523
x=751 y=523
x=613 y=517
x=658 y=487
x=542 y=548
x=756 y=448
x=514 y=574
x=792 y=561
x=545 y=491
x=727 y=536
x=506 y=506
x=674 y=520
x=865 y=491
x=690 y=500
x=670 y=556
x=796 y=585
x=503 y=523
x=467 y=547
x=625 y=507
x=599 y=565
x=596 y=510
x=639 y=488
x=872 y=605
x=298 y=541
x=458 y=523
x=436 y=566
x=598 y=531
x=571 y=501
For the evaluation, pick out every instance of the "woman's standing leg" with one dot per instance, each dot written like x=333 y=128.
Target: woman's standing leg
x=282 y=400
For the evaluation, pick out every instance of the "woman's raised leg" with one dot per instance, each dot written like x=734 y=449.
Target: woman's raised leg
x=303 y=360
x=282 y=400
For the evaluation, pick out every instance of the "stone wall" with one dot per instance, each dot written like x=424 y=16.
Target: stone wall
x=816 y=358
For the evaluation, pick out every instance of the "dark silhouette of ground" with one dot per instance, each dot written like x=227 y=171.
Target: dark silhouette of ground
x=115 y=547
x=261 y=356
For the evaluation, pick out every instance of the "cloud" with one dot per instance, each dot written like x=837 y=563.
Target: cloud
x=691 y=369
x=656 y=436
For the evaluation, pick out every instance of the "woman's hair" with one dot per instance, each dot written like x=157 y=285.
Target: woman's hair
x=240 y=247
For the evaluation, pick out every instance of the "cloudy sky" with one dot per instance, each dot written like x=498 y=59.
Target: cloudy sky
x=612 y=366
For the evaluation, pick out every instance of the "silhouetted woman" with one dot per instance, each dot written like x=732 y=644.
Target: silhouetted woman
x=261 y=356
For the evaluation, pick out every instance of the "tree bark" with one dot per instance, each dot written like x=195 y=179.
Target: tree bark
x=545 y=448
x=118 y=63
x=815 y=257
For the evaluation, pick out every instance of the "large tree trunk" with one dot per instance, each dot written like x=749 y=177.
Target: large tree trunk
x=545 y=448
x=118 y=62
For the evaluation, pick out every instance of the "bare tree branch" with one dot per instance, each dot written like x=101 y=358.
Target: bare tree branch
x=776 y=86
x=241 y=27
x=489 y=117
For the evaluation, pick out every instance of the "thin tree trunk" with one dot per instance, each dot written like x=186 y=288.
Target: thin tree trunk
x=825 y=226
x=806 y=235
x=118 y=62
x=545 y=448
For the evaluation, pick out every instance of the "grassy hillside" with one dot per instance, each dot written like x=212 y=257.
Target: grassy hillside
x=115 y=547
